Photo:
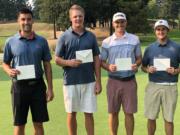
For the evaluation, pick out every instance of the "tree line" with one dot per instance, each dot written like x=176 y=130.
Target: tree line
x=139 y=12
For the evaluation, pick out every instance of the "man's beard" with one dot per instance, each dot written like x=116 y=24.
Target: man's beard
x=27 y=28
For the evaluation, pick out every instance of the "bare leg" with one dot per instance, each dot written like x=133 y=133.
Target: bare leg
x=113 y=123
x=89 y=123
x=151 y=127
x=72 y=123
x=38 y=128
x=19 y=130
x=169 y=128
x=129 y=123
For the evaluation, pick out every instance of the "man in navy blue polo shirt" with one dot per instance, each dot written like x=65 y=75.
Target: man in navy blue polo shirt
x=161 y=61
x=77 y=52
x=23 y=55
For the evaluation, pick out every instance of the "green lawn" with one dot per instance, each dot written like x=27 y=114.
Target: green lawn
x=57 y=123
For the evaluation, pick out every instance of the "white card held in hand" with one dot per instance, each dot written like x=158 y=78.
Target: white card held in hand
x=123 y=64
x=26 y=72
x=85 y=56
x=161 y=64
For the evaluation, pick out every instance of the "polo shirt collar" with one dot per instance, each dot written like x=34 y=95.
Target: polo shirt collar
x=114 y=37
x=71 y=30
x=158 y=43
x=32 y=36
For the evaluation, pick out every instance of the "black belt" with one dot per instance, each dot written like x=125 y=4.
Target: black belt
x=123 y=79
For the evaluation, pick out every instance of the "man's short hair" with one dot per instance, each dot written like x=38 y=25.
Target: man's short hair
x=76 y=7
x=24 y=11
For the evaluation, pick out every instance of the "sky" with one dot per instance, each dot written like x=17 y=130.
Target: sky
x=31 y=2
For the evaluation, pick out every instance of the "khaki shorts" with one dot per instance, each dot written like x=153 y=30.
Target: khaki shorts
x=80 y=98
x=158 y=95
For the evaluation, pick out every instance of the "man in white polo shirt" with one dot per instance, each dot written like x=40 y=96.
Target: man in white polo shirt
x=161 y=91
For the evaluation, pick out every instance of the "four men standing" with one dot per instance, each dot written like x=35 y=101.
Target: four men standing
x=78 y=53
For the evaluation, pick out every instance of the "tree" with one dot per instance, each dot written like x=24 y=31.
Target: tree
x=9 y=8
x=136 y=12
x=55 y=11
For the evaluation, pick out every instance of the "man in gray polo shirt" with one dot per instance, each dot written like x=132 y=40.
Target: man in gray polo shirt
x=77 y=52
x=161 y=61
x=23 y=54
x=121 y=86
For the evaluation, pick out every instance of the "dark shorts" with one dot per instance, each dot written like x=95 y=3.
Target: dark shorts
x=29 y=94
x=122 y=92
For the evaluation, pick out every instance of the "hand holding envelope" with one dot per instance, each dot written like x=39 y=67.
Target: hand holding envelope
x=85 y=56
x=161 y=64
x=123 y=64
x=26 y=72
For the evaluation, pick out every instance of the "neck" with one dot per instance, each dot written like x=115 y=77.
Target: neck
x=26 y=34
x=163 y=41
x=78 y=30
x=120 y=34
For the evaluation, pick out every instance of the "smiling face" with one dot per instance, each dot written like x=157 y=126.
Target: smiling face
x=120 y=25
x=77 y=18
x=25 y=22
x=161 y=33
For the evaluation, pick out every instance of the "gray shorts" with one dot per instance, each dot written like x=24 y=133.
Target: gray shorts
x=158 y=95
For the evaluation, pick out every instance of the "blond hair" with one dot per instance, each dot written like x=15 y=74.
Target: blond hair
x=76 y=7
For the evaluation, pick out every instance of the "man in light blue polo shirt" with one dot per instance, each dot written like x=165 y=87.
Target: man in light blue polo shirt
x=24 y=54
x=78 y=53
x=121 y=86
x=161 y=61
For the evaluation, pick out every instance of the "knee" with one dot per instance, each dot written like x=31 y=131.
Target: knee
x=88 y=115
x=72 y=115
x=129 y=115
x=38 y=125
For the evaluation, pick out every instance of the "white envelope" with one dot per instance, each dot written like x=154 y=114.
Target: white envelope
x=161 y=64
x=123 y=64
x=85 y=56
x=26 y=72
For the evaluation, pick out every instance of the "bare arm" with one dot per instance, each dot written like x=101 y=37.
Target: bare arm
x=71 y=63
x=108 y=67
x=97 y=68
x=148 y=69
x=48 y=74
x=10 y=71
x=137 y=63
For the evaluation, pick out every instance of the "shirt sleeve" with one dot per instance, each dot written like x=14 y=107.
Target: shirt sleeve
x=7 y=53
x=104 y=52
x=60 y=47
x=46 y=51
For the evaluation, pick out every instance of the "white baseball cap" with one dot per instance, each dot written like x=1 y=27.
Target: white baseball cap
x=118 y=16
x=161 y=23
